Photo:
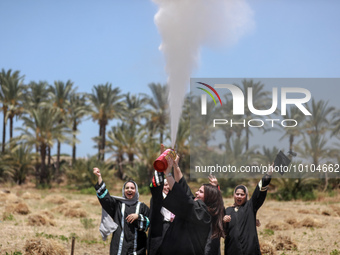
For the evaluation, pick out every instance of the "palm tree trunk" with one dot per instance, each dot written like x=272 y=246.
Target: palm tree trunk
x=43 y=173
x=49 y=156
x=58 y=156
x=10 y=127
x=119 y=161
x=247 y=138
x=74 y=142
x=291 y=141
x=37 y=165
x=58 y=160
x=99 y=143
x=161 y=137
x=4 y=134
x=103 y=143
x=326 y=182
x=131 y=156
x=4 y=130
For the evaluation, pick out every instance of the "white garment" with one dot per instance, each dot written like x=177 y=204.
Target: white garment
x=107 y=225
x=166 y=213
x=168 y=216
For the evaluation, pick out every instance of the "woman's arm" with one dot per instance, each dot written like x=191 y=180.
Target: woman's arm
x=177 y=171
x=141 y=221
x=96 y=171
x=260 y=192
x=108 y=203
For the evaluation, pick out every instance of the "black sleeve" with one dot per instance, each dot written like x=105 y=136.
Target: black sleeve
x=212 y=247
x=260 y=192
x=184 y=206
x=185 y=187
x=156 y=218
x=108 y=203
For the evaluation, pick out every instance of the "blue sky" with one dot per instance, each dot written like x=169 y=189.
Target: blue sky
x=94 y=42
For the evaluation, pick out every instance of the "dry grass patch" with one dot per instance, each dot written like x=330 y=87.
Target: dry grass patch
x=93 y=201
x=284 y=243
x=41 y=246
x=267 y=248
x=19 y=208
x=308 y=222
x=291 y=221
x=56 y=199
x=309 y=211
x=76 y=213
x=40 y=220
x=278 y=225
x=72 y=210
x=9 y=198
x=28 y=195
x=326 y=212
x=336 y=209
x=47 y=214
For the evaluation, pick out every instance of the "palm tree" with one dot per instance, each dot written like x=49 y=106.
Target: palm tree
x=336 y=122
x=40 y=129
x=201 y=125
x=260 y=101
x=11 y=95
x=317 y=125
x=115 y=146
x=81 y=176
x=35 y=94
x=107 y=106
x=6 y=173
x=125 y=139
x=148 y=152
x=293 y=132
x=78 y=108
x=135 y=109
x=20 y=161
x=319 y=122
x=182 y=143
x=159 y=110
x=60 y=95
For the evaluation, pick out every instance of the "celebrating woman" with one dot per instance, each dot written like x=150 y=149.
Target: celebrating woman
x=129 y=215
x=197 y=219
x=240 y=219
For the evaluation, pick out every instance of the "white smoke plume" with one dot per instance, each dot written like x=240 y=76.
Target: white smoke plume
x=185 y=26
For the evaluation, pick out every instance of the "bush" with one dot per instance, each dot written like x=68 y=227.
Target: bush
x=144 y=190
x=335 y=252
x=87 y=223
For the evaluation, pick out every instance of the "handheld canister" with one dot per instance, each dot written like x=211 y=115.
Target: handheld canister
x=162 y=162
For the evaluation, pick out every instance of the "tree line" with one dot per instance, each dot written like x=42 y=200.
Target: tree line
x=52 y=113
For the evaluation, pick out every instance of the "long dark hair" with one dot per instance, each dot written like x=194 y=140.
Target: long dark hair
x=214 y=201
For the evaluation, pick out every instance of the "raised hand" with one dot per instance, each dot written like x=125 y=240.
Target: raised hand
x=96 y=171
x=213 y=180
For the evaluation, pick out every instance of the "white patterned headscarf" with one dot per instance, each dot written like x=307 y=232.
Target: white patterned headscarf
x=125 y=200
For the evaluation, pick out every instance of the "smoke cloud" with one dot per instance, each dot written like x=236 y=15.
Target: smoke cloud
x=185 y=26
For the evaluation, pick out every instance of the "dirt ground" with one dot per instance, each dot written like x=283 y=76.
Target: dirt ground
x=35 y=221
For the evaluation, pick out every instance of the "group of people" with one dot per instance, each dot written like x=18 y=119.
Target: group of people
x=179 y=222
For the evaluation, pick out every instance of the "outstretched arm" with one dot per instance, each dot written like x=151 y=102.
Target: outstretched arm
x=260 y=192
x=169 y=176
x=108 y=203
x=177 y=171
x=96 y=171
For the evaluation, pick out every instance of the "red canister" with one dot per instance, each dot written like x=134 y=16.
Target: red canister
x=162 y=162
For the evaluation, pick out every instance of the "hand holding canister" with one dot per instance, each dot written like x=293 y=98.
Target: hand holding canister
x=164 y=160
